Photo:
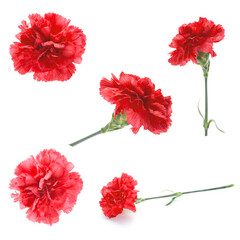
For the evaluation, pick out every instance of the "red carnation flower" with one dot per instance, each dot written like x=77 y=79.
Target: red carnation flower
x=137 y=96
x=193 y=38
x=137 y=103
x=49 y=47
x=46 y=186
x=119 y=194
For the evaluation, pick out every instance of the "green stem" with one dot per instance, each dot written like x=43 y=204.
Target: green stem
x=204 y=62
x=85 y=138
x=164 y=196
x=209 y=189
x=206 y=108
x=118 y=122
x=177 y=194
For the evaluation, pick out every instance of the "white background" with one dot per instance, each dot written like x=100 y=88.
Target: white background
x=129 y=36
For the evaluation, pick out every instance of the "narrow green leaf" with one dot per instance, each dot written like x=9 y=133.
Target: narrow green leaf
x=200 y=111
x=215 y=125
x=171 y=201
x=178 y=194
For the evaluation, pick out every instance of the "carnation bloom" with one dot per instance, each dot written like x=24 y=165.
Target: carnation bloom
x=144 y=106
x=48 y=47
x=120 y=193
x=137 y=103
x=194 y=42
x=46 y=186
x=193 y=38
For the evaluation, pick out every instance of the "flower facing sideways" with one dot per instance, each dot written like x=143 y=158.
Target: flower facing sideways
x=120 y=193
x=137 y=103
x=194 y=42
x=144 y=106
x=48 y=47
x=46 y=186
x=193 y=38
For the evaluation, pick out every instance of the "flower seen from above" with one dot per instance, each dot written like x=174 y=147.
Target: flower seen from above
x=120 y=193
x=48 y=47
x=193 y=38
x=46 y=186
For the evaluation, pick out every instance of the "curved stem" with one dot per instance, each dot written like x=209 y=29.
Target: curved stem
x=85 y=138
x=178 y=194
x=206 y=108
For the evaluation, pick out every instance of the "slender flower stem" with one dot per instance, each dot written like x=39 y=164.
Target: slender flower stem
x=118 y=122
x=85 y=138
x=204 y=62
x=164 y=196
x=178 y=194
x=209 y=189
x=206 y=107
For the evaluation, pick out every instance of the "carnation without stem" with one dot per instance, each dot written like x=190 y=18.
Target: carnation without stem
x=137 y=103
x=194 y=42
x=120 y=194
x=46 y=186
x=48 y=47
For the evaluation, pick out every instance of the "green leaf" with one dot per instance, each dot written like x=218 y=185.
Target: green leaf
x=215 y=125
x=200 y=111
x=177 y=195
x=171 y=201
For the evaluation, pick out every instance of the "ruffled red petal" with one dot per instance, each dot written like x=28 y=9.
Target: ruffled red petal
x=137 y=96
x=120 y=193
x=48 y=47
x=46 y=186
x=194 y=37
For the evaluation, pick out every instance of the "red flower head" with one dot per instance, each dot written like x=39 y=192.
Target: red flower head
x=46 y=186
x=193 y=38
x=49 y=47
x=137 y=96
x=119 y=194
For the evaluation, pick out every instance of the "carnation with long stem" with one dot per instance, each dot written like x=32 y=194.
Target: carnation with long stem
x=194 y=42
x=120 y=194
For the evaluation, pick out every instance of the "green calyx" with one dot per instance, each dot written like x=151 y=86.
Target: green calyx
x=116 y=123
x=139 y=200
x=204 y=61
